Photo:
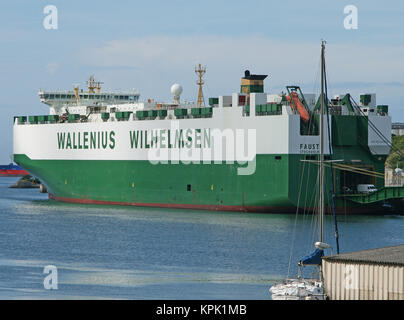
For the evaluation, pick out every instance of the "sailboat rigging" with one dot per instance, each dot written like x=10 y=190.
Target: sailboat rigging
x=300 y=288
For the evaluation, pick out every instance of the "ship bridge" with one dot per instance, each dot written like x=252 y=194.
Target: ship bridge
x=92 y=97
x=54 y=98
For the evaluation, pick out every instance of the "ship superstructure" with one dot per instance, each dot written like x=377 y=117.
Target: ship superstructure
x=59 y=101
x=249 y=151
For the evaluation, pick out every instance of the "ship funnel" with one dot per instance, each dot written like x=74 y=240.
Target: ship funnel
x=252 y=82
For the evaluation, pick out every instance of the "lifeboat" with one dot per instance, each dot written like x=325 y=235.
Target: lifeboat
x=297 y=104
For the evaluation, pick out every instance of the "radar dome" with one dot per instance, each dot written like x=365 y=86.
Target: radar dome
x=176 y=90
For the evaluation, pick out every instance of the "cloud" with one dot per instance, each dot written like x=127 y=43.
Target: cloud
x=154 y=63
x=52 y=68
x=288 y=61
x=224 y=56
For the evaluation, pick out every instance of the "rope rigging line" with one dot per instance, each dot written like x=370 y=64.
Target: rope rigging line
x=336 y=235
x=374 y=173
x=303 y=198
x=353 y=169
x=295 y=224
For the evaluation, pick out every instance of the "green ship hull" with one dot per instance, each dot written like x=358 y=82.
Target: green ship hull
x=280 y=184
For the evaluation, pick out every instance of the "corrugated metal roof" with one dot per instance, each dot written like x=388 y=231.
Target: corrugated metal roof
x=383 y=256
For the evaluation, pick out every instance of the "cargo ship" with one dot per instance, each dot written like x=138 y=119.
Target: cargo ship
x=12 y=170
x=250 y=151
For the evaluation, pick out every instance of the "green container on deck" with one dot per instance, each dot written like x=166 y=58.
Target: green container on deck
x=247 y=109
x=104 y=116
x=196 y=111
x=33 y=119
x=42 y=119
x=119 y=115
x=258 y=108
x=213 y=101
x=152 y=113
x=53 y=118
x=73 y=117
x=275 y=108
x=206 y=110
x=126 y=114
x=162 y=113
x=141 y=114
x=22 y=119
x=180 y=112
x=271 y=108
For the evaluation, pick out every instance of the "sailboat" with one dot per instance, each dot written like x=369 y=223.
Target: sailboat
x=312 y=288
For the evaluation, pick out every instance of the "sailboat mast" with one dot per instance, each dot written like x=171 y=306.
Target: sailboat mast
x=321 y=170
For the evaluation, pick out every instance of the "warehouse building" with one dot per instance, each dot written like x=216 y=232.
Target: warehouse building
x=376 y=274
x=397 y=129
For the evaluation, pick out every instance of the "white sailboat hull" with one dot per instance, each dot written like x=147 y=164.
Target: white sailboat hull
x=298 y=289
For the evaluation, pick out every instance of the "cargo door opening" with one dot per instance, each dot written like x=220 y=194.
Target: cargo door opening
x=350 y=180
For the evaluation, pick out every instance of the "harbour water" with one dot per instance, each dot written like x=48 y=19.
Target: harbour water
x=106 y=252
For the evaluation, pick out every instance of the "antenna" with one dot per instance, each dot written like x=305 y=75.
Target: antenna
x=200 y=72
x=76 y=92
x=92 y=84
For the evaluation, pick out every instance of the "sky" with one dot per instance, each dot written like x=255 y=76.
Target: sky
x=150 y=45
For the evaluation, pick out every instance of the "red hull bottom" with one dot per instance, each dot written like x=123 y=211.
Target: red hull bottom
x=176 y=205
x=253 y=209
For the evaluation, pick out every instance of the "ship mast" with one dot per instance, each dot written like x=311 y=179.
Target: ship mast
x=200 y=72
x=321 y=168
x=92 y=84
